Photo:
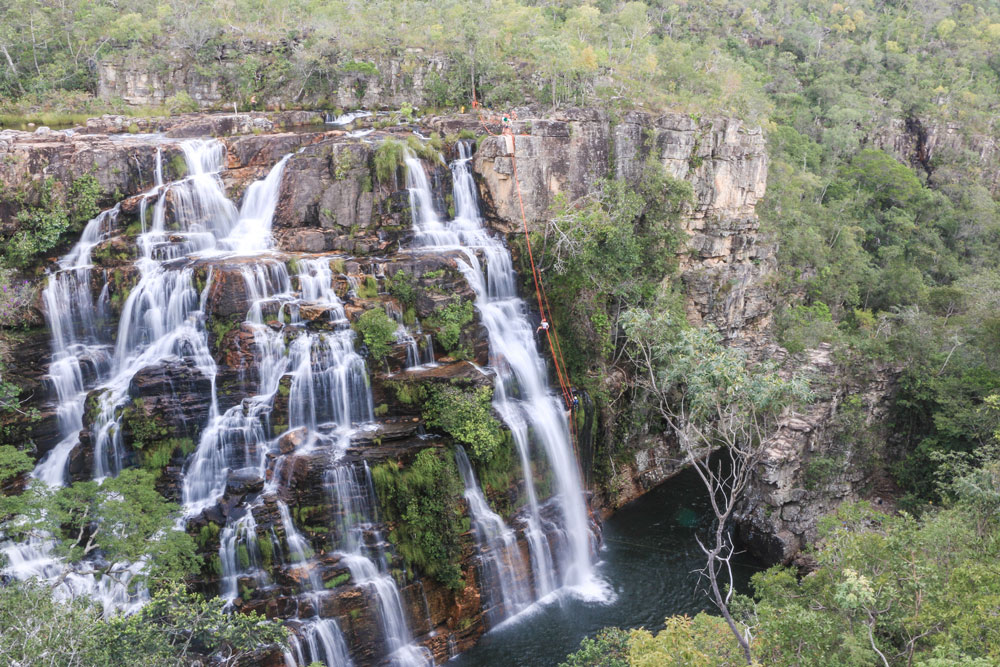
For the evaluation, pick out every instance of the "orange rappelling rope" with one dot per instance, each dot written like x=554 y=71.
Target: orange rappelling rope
x=544 y=309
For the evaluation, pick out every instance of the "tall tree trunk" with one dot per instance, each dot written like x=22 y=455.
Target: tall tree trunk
x=13 y=67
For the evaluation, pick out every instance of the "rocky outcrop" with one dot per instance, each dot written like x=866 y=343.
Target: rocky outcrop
x=823 y=455
x=203 y=125
x=329 y=187
x=936 y=146
x=379 y=82
x=28 y=159
x=724 y=266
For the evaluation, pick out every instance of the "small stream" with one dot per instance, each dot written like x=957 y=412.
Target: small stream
x=648 y=558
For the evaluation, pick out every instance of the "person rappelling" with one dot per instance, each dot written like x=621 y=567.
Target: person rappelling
x=544 y=326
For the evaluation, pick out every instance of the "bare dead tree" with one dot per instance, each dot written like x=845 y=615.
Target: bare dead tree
x=724 y=413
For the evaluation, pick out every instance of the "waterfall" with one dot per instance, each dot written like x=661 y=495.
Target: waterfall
x=309 y=395
x=158 y=323
x=236 y=439
x=363 y=550
x=506 y=581
x=415 y=357
x=239 y=542
x=161 y=321
x=561 y=556
x=322 y=635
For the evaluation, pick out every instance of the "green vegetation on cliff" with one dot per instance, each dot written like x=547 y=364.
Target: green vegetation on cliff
x=424 y=507
x=175 y=627
x=377 y=332
x=123 y=518
x=467 y=416
x=53 y=214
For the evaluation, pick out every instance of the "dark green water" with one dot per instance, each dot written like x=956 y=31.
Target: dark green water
x=648 y=559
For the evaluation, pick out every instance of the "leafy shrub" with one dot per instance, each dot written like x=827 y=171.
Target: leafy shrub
x=702 y=641
x=820 y=470
x=449 y=321
x=59 y=212
x=804 y=327
x=16 y=299
x=181 y=102
x=609 y=648
x=467 y=416
x=358 y=67
x=377 y=331
x=368 y=289
x=401 y=287
x=423 y=502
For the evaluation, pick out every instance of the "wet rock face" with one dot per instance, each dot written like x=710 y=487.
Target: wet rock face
x=329 y=186
x=27 y=159
x=931 y=147
x=724 y=267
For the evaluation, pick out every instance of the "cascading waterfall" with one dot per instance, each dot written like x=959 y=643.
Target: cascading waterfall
x=188 y=226
x=363 y=550
x=506 y=583
x=240 y=537
x=158 y=323
x=522 y=396
x=415 y=356
x=322 y=636
x=80 y=346
x=161 y=321
x=236 y=438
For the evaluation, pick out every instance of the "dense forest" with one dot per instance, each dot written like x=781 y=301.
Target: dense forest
x=880 y=122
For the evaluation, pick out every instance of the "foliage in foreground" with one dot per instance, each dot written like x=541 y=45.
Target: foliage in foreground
x=113 y=523
x=175 y=627
x=895 y=590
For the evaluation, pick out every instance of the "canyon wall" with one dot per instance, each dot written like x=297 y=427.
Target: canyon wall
x=333 y=205
x=382 y=82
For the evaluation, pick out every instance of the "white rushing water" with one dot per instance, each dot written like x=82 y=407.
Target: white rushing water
x=192 y=231
x=506 y=582
x=522 y=396
x=362 y=548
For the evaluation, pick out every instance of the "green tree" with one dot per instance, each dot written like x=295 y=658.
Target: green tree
x=712 y=399
x=123 y=520
x=175 y=627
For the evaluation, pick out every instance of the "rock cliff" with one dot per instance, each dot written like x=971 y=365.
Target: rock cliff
x=823 y=455
x=383 y=82
x=724 y=266
x=334 y=206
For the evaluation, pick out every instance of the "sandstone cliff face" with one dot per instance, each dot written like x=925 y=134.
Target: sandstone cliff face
x=389 y=82
x=818 y=459
x=931 y=147
x=724 y=267
x=124 y=167
x=822 y=456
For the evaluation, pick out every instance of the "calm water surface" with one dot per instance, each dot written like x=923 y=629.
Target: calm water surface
x=648 y=560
